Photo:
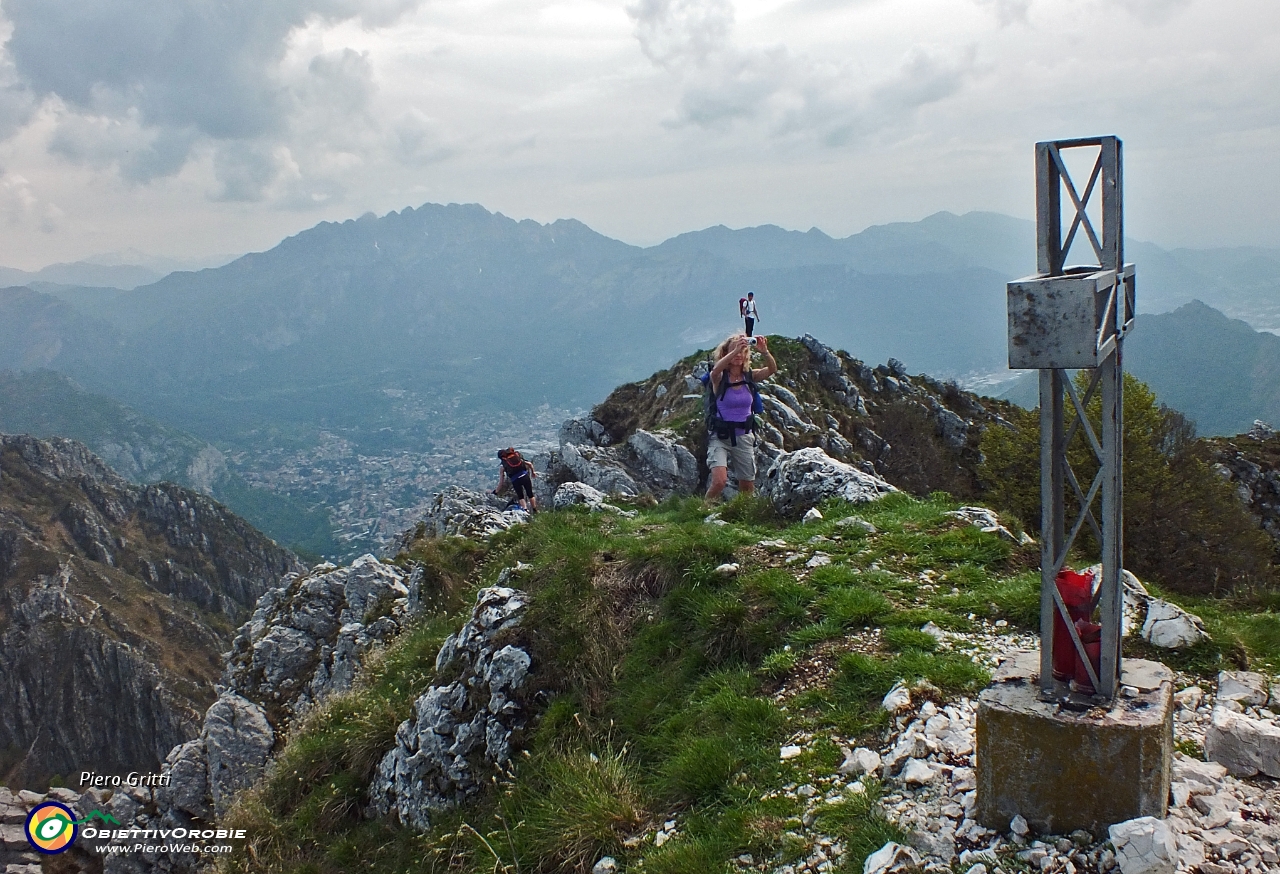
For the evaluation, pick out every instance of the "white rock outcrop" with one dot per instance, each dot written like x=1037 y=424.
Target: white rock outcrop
x=891 y=859
x=466 y=513
x=1170 y=627
x=797 y=481
x=577 y=494
x=1244 y=687
x=665 y=466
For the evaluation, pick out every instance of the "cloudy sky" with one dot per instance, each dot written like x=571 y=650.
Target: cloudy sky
x=189 y=127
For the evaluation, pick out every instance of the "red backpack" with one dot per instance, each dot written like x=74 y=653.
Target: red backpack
x=512 y=461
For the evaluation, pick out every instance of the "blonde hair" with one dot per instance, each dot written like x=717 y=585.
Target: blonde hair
x=723 y=348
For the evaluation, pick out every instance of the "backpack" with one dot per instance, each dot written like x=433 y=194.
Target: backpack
x=512 y=462
x=721 y=427
x=742 y=306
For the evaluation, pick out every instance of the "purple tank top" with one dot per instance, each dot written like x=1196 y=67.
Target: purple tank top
x=735 y=406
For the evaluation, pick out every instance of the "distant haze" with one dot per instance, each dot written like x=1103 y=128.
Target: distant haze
x=184 y=128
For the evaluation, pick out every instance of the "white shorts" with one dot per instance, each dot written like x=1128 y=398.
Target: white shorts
x=721 y=452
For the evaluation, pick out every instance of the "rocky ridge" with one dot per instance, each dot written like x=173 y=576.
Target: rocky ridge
x=283 y=662
x=115 y=605
x=1252 y=462
x=462 y=727
x=303 y=644
x=648 y=437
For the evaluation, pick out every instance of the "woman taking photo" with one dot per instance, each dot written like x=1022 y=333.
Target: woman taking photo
x=731 y=436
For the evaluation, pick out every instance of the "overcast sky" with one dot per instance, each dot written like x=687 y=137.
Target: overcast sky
x=189 y=127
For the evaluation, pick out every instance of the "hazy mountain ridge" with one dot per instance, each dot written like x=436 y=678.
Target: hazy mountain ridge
x=1216 y=370
x=117 y=270
x=333 y=367
x=45 y=404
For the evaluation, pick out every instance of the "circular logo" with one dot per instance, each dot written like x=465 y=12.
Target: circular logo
x=51 y=827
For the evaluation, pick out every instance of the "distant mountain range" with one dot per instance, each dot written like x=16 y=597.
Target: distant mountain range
x=1218 y=371
x=122 y=270
x=459 y=305
x=385 y=332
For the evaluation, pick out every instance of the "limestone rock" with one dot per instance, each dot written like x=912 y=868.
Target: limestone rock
x=665 y=466
x=1189 y=698
x=584 y=431
x=599 y=468
x=1144 y=846
x=74 y=579
x=1246 y=687
x=466 y=513
x=189 y=791
x=897 y=699
x=237 y=739
x=462 y=729
x=984 y=519
x=953 y=429
x=305 y=640
x=799 y=480
x=575 y=494
x=892 y=858
x=1245 y=746
x=652 y=462
x=917 y=772
x=1169 y=626
x=860 y=761
x=1260 y=430
x=784 y=416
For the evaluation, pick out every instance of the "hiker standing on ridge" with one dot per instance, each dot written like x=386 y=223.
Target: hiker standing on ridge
x=514 y=469
x=732 y=404
x=747 y=308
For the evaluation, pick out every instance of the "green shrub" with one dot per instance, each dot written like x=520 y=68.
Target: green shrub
x=574 y=808
x=1183 y=524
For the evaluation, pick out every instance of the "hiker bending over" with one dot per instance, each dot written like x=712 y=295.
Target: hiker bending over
x=514 y=469
x=731 y=409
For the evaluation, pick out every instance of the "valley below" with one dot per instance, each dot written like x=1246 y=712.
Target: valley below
x=372 y=496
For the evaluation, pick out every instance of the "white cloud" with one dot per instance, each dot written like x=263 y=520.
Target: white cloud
x=792 y=95
x=140 y=84
x=21 y=207
x=191 y=126
x=1015 y=11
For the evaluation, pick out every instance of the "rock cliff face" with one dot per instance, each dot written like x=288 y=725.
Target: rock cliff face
x=1251 y=462
x=116 y=602
x=303 y=643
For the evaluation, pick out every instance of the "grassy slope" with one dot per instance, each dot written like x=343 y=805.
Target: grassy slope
x=665 y=689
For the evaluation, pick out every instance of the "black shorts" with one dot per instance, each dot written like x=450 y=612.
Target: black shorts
x=523 y=486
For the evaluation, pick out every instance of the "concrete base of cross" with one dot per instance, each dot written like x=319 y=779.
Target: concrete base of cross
x=1063 y=769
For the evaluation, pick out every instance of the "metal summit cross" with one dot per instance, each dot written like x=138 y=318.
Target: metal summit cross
x=1075 y=318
